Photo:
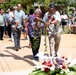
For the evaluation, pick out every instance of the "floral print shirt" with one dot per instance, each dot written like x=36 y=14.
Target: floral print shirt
x=34 y=27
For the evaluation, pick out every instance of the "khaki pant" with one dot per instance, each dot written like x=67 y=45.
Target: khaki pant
x=54 y=42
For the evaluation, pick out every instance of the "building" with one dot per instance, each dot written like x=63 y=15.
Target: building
x=2 y=1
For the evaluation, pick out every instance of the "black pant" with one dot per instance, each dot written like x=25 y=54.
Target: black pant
x=9 y=30
x=1 y=32
x=35 y=45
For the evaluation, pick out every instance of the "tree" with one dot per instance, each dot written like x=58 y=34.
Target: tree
x=46 y=3
x=27 y=4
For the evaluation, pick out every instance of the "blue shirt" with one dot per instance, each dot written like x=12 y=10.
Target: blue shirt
x=19 y=16
x=7 y=17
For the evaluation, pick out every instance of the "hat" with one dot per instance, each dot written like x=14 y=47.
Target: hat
x=52 y=5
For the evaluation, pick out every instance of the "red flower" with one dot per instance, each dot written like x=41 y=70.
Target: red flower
x=56 y=65
x=61 y=63
x=47 y=64
x=49 y=74
x=53 y=19
x=49 y=17
x=43 y=63
x=66 y=58
x=63 y=57
x=63 y=67
x=46 y=69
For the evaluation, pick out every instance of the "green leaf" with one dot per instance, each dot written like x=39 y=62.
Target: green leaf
x=38 y=72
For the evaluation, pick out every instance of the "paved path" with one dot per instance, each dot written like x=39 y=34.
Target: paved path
x=21 y=61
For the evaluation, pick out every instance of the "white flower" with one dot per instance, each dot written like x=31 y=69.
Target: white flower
x=73 y=62
x=61 y=72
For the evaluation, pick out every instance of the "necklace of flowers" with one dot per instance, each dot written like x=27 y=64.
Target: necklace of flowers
x=35 y=40
x=45 y=40
x=50 y=17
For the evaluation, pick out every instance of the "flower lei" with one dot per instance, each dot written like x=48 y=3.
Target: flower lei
x=49 y=19
x=37 y=23
x=35 y=40
x=45 y=44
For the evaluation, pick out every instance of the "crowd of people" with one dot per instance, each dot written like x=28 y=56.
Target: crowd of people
x=69 y=20
x=15 y=21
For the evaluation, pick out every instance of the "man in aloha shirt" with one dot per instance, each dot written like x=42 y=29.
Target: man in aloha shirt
x=53 y=19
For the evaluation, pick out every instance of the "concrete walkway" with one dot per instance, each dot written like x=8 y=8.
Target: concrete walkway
x=20 y=62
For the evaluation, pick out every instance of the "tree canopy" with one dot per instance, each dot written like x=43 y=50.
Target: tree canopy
x=27 y=4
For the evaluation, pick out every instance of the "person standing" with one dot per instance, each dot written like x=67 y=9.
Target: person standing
x=17 y=27
x=74 y=16
x=10 y=23
x=74 y=12
x=64 y=20
x=34 y=31
x=25 y=29
x=2 y=23
x=9 y=19
x=31 y=12
x=52 y=20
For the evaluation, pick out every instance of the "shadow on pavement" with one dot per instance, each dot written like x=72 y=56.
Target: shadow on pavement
x=18 y=57
x=29 y=56
x=25 y=47
x=10 y=48
x=14 y=47
x=4 y=55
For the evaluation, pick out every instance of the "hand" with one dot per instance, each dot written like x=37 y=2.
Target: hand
x=37 y=18
x=15 y=28
x=47 y=29
x=47 y=23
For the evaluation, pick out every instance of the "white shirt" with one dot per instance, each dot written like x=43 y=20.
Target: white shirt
x=11 y=15
x=64 y=16
x=2 y=18
x=58 y=17
x=19 y=16
x=53 y=29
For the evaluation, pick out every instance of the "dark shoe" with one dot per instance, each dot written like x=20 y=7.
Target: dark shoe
x=17 y=49
x=55 y=55
x=1 y=39
x=36 y=58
